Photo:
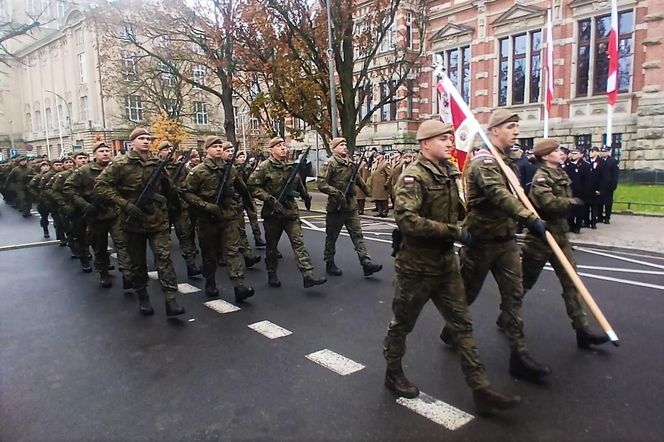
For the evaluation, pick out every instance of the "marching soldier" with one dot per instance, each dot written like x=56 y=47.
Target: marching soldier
x=80 y=246
x=266 y=183
x=552 y=196
x=427 y=213
x=58 y=222
x=342 y=209
x=60 y=205
x=36 y=187
x=245 y=170
x=121 y=183
x=218 y=225
x=17 y=185
x=491 y=220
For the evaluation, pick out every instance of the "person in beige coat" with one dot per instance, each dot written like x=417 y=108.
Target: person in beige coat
x=361 y=197
x=380 y=184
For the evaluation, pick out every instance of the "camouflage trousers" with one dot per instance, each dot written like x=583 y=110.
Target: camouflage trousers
x=535 y=254
x=411 y=293
x=79 y=242
x=334 y=222
x=186 y=236
x=23 y=201
x=274 y=227
x=44 y=211
x=244 y=247
x=502 y=260
x=160 y=244
x=217 y=237
x=253 y=221
x=98 y=231
x=59 y=224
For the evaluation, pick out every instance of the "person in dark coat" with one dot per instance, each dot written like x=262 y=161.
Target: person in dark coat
x=597 y=182
x=579 y=172
x=612 y=172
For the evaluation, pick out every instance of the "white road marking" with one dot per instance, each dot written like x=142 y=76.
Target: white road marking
x=185 y=288
x=153 y=275
x=638 y=255
x=335 y=362
x=221 y=306
x=269 y=330
x=27 y=245
x=438 y=411
x=618 y=270
x=311 y=225
x=621 y=258
x=114 y=255
x=622 y=281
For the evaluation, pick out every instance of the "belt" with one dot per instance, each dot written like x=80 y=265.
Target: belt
x=421 y=243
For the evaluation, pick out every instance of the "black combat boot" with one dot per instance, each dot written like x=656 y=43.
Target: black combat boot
x=446 y=336
x=192 y=271
x=211 y=290
x=105 y=280
x=46 y=234
x=396 y=381
x=242 y=293
x=126 y=283
x=371 y=268
x=259 y=242
x=524 y=367
x=273 y=280
x=310 y=280
x=332 y=269
x=172 y=308
x=585 y=338
x=110 y=267
x=279 y=255
x=251 y=260
x=486 y=400
x=85 y=266
x=144 y=304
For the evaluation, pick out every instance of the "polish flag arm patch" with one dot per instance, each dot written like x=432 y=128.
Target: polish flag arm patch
x=408 y=180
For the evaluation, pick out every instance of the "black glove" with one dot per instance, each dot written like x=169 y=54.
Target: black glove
x=213 y=210
x=538 y=228
x=466 y=238
x=134 y=212
x=307 y=201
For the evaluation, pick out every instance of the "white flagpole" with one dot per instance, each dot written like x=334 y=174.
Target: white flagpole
x=548 y=68
x=612 y=80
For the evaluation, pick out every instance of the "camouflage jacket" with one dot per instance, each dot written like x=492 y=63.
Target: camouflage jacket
x=268 y=179
x=332 y=181
x=171 y=168
x=201 y=184
x=551 y=194
x=54 y=190
x=492 y=209
x=426 y=209
x=19 y=178
x=37 y=186
x=79 y=188
x=121 y=183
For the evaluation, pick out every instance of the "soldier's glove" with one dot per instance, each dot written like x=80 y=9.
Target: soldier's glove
x=307 y=201
x=466 y=238
x=213 y=210
x=134 y=212
x=577 y=202
x=538 y=228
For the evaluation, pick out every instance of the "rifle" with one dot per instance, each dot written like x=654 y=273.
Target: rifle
x=147 y=193
x=180 y=168
x=350 y=185
x=294 y=172
x=224 y=178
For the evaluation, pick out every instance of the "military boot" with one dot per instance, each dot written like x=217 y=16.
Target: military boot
x=211 y=290
x=371 y=268
x=144 y=304
x=126 y=283
x=242 y=293
x=273 y=280
x=192 y=271
x=487 y=399
x=446 y=336
x=46 y=234
x=249 y=261
x=524 y=367
x=85 y=266
x=172 y=308
x=396 y=381
x=310 y=280
x=332 y=269
x=585 y=338
x=110 y=267
x=259 y=242
x=105 y=280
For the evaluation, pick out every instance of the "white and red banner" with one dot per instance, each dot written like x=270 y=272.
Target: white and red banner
x=612 y=80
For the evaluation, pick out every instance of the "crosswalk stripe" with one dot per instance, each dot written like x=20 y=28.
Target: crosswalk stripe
x=221 y=306
x=114 y=255
x=438 y=411
x=153 y=275
x=269 y=329
x=185 y=288
x=335 y=362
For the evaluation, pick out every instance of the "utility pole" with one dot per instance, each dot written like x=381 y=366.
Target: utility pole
x=333 y=87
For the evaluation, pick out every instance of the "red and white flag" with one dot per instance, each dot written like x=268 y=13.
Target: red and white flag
x=612 y=81
x=549 y=61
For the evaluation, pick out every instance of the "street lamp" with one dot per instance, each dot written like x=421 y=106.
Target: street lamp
x=333 y=87
x=57 y=111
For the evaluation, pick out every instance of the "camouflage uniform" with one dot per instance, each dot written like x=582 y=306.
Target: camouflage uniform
x=184 y=230
x=551 y=194
x=265 y=184
x=37 y=189
x=17 y=184
x=101 y=219
x=62 y=207
x=491 y=220
x=217 y=234
x=341 y=211
x=427 y=212
x=250 y=207
x=121 y=183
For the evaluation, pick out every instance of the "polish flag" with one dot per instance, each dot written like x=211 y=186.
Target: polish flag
x=612 y=82
x=549 y=61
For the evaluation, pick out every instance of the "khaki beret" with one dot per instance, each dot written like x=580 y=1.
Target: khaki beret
x=433 y=128
x=502 y=116
x=81 y=154
x=336 y=141
x=226 y=145
x=211 y=140
x=97 y=145
x=545 y=146
x=57 y=160
x=138 y=132
x=165 y=145
x=274 y=141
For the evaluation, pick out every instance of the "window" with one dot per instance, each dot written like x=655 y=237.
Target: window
x=200 y=112
x=59 y=114
x=389 y=41
x=49 y=119
x=82 y=69
x=164 y=41
x=199 y=74
x=592 y=56
x=520 y=64
x=167 y=76
x=583 y=141
x=129 y=62
x=366 y=101
x=80 y=36
x=83 y=115
x=31 y=6
x=388 y=111
x=409 y=30
x=197 y=48
x=62 y=8
x=134 y=108
x=128 y=32
x=410 y=86
x=616 y=145
x=172 y=108
x=457 y=66
x=39 y=123
x=28 y=122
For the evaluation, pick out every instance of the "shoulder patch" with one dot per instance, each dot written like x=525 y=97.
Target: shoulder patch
x=540 y=179
x=408 y=180
x=488 y=161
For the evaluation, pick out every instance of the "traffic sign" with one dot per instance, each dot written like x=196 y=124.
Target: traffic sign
x=13 y=152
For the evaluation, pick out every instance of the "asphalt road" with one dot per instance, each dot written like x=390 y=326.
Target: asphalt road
x=78 y=363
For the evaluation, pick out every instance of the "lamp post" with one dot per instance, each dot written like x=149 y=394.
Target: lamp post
x=57 y=111
x=333 y=87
